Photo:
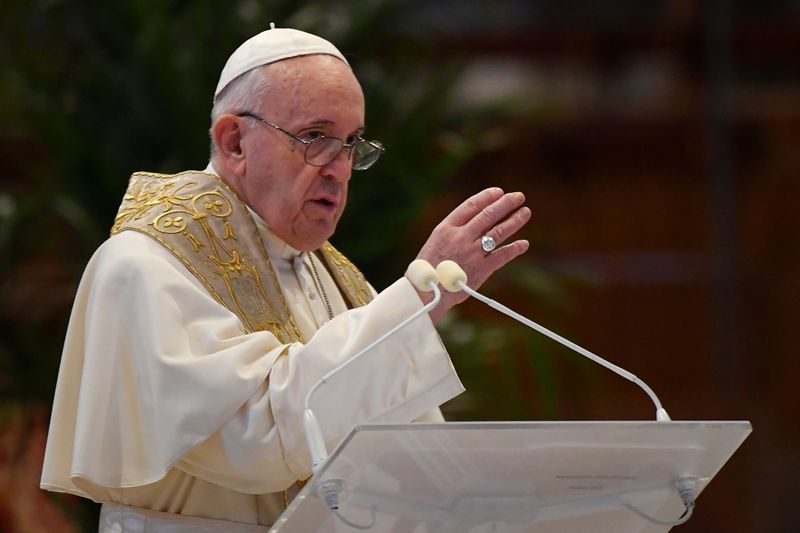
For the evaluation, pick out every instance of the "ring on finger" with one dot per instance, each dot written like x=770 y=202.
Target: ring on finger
x=488 y=243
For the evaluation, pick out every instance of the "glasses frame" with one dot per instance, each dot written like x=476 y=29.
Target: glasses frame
x=375 y=145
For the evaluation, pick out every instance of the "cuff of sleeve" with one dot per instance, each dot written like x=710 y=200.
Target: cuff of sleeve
x=446 y=389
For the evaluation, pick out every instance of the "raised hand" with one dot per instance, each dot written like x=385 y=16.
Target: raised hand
x=491 y=213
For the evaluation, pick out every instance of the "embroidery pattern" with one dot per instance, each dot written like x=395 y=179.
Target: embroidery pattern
x=196 y=221
x=347 y=276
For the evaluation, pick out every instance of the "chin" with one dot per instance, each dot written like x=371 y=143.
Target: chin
x=315 y=243
x=314 y=238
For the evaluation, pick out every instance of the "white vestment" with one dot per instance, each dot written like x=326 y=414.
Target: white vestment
x=164 y=403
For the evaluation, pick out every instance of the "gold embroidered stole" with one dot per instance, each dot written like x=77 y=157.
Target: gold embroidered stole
x=348 y=278
x=200 y=220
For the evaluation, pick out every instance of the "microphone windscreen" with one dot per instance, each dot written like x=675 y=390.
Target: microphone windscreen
x=420 y=273
x=450 y=274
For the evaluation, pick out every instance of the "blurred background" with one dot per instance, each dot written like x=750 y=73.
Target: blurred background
x=656 y=142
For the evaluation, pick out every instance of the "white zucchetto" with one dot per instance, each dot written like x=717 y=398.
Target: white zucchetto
x=270 y=46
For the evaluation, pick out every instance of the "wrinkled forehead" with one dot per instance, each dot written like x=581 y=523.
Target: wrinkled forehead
x=313 y=82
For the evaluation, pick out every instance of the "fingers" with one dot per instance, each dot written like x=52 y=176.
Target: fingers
x=493 y=215
x=508 y=227
x=505 y=254
x=490 y=212
x=472 y=206
x=458 y=237
x=479 y=266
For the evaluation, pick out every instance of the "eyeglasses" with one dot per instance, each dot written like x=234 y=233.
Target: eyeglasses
x=322 y=149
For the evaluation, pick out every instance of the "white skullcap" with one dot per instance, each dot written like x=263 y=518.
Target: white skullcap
x=270 y=46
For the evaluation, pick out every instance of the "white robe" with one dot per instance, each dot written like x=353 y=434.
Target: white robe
x=164 y=403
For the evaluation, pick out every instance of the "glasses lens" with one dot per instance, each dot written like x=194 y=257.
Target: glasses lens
x=365 y=153
x=322 y=151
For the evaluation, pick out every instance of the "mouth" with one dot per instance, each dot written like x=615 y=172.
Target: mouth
x=327 y=203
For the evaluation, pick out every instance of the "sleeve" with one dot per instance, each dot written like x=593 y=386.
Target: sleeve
x=156 y=374
x=262 y=448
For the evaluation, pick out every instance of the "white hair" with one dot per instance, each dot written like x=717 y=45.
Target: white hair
x=245 y=93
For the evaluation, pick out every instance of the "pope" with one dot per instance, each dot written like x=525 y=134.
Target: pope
x=218 y=301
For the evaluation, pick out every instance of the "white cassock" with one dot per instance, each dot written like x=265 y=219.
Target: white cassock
x=164 y=404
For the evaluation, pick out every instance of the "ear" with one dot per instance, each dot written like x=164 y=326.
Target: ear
x=227 y=135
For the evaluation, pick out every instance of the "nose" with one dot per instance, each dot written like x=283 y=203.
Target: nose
x=340 y=168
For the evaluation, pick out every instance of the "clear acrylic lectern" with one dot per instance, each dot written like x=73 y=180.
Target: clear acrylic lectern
x=483 y=477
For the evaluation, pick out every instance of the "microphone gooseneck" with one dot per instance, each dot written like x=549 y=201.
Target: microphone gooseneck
x=424 y=278
x=453 y=278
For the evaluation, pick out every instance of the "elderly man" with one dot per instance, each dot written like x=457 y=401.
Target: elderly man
x=217 y=303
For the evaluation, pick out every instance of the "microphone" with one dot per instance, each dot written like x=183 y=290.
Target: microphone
x=454 y=279
x=424 y=278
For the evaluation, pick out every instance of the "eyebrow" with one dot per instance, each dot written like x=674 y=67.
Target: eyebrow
x=325 y=122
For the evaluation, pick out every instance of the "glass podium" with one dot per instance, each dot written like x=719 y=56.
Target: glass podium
x=512 y=477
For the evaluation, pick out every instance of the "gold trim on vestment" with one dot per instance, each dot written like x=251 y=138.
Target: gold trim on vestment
x=348 y=278
x=193 y=215
x=203 y=223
